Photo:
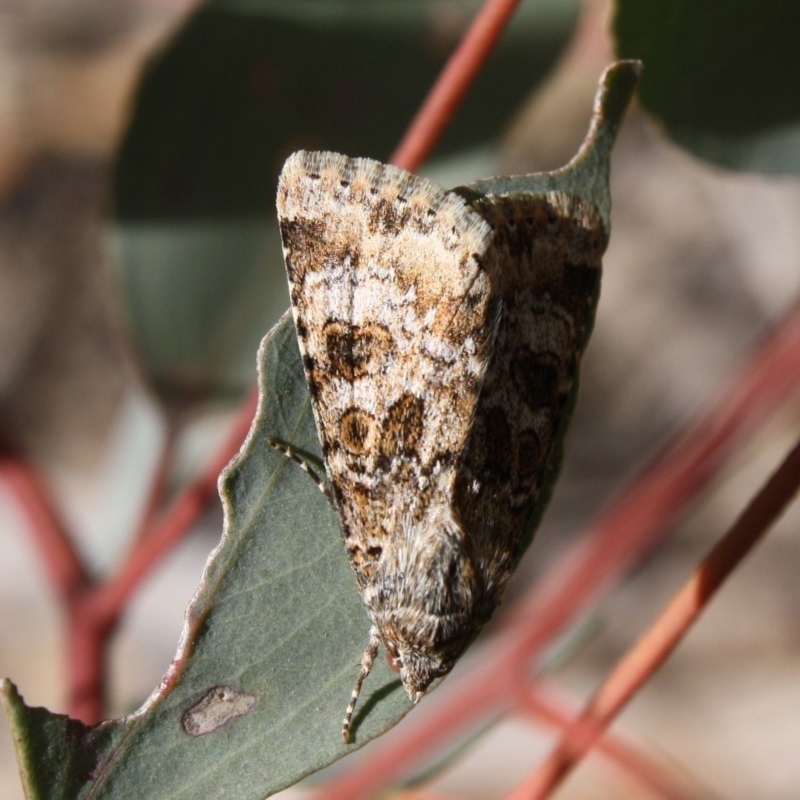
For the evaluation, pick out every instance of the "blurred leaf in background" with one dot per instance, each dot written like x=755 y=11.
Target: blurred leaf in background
x=242 y=85
x=723 y=78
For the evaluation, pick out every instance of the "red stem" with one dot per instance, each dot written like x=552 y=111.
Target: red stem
x=87 y=650
x=640 y=767
x=172 y=526
x=92 y=610
x=48 y=531
x=452 y=84
x=667 y=631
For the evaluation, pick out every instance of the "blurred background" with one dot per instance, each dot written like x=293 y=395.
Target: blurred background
x=140 y=266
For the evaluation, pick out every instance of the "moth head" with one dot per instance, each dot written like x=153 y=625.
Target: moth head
x=418 y=668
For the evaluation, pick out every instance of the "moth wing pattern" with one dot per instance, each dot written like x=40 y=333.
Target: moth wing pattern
x=395 y=317
x=441 y=340
x=547 y=249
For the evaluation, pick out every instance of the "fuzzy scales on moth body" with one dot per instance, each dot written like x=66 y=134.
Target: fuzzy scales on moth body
x=441 y=340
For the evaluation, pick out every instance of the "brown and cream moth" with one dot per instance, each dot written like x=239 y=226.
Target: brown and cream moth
x=440 y=340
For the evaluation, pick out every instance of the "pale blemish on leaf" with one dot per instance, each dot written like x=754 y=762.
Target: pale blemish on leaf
x=218 y=706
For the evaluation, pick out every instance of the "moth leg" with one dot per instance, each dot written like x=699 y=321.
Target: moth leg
x=367 y=660
x=301 y=462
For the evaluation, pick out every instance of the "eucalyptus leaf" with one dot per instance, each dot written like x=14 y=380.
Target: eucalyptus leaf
x=253 y=700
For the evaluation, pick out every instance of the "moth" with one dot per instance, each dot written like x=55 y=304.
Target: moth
x=440 y=333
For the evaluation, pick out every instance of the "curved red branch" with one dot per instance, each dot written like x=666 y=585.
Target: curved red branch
x=169 y=529
x=664 y=635
x=47 y=530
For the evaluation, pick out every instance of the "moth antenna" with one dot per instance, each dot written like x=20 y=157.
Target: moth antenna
x=301 y=462
x=367 y=660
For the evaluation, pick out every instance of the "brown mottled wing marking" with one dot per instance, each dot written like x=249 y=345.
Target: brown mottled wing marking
x=548 y=251
x=394 y=316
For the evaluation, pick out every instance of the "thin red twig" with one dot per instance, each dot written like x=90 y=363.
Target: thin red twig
x=635 y=522
x=638 y=766
x=172 y=526
x=85 y=668
x=87 y=634
x=47 y=530
x=669 y=629
x=452 y=84
x=93 y=610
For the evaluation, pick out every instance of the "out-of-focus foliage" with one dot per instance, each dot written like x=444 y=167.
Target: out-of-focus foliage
x=722 y=78
x=243 y=84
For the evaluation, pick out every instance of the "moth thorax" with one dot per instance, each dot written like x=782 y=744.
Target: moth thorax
x=418 y=663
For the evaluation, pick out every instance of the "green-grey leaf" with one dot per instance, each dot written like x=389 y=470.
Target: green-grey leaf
x=277 y=619
x=255 y=696
x=721 y=77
